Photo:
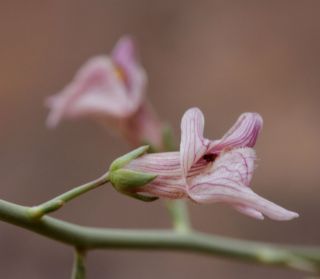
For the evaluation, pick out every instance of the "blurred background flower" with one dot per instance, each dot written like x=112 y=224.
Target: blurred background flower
x=110 y=89
x=225 y=57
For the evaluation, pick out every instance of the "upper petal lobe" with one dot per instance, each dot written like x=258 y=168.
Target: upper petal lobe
x=193 y=145
x=243 y=133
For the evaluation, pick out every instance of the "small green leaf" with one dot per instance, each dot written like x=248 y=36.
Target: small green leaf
x=127 y=158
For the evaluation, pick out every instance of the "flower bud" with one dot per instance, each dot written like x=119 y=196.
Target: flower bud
x=126 y=181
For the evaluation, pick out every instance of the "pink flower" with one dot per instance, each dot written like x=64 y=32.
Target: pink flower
x=110 y=89
x=208 y=171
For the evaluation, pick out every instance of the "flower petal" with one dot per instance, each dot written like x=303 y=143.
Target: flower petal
x=125 y=57
x=227 y=182
x=124 y=52
x=95 y=90
x=169 y=183
x=163 y=164
x=249 y=212
x=236 y=166
x=193 y=145
x=244 y=133
x=243 y=196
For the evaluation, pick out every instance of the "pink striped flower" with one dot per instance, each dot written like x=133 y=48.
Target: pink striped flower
x=112 y=90
x=208 y=171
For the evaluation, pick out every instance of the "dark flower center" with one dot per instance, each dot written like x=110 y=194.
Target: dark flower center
x=210 y=157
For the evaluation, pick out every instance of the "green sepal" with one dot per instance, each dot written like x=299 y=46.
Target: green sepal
x=127 y=158
x=124 y=180
x=141 y=197
x=152 y=148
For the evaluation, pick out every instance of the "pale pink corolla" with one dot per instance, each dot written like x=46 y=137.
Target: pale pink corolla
x=112 y=90
x=206 y=171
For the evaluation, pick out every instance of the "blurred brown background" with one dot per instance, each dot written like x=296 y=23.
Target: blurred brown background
x=225 y=57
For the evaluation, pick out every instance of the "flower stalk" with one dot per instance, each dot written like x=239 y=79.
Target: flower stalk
x=36 y=212
x=79 y=269
x=179 y=215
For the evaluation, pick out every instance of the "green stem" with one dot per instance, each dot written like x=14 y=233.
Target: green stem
x=79 y=270
x=179 y=215
x=178 y=209
x=302 y=258
x=36 y=212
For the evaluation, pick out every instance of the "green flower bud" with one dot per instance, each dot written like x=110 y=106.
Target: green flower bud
x=126 y=180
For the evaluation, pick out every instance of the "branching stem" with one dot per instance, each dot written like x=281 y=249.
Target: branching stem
x=302 y=258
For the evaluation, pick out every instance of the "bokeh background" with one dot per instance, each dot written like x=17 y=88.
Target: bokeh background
x=225 y=57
